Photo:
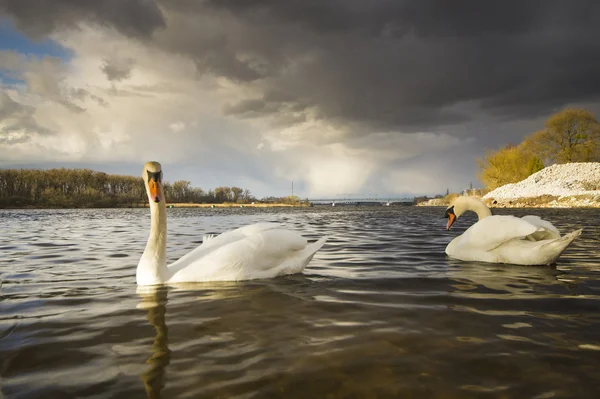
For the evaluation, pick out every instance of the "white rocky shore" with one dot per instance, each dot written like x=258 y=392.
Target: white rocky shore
x=572 y=185
x=568 y=185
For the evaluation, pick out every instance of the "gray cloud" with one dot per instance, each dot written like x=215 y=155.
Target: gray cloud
x=17 y=122
x=14 y=140
x=44 y=77
x=117 y=69
x=387 y=65
x=8 y=107
x=228 y=65
x=402 y=65
x=138 y=18
x=81 y=95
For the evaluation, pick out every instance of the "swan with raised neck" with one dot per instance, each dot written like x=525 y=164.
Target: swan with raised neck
x=152 y=268
x=255 y=251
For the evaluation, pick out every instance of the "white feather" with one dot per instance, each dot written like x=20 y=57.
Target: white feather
x=208 y=237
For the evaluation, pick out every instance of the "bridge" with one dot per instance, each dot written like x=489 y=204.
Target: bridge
x=348 y=200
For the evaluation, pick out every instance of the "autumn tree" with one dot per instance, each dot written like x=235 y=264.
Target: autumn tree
x=223 y=194
x=247 y=196
x=571 y=135
x=236 y=192
x=197 y=195
x=291 y=199
x=181 y=189
x=510 y=164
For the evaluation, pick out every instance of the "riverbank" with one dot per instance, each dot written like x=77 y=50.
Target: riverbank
x=233 y=205
x=547 y=201
x=571 y=185
x=543 y=201
x=169 y=205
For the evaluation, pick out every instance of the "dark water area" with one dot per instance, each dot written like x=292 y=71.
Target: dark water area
x=380 y=312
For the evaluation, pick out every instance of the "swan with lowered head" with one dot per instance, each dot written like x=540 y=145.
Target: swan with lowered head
x=256 y=251
x=505 y=239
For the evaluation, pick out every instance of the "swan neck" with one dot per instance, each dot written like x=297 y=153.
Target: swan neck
x=152 y=268
x=158 y=225
x=480 y=209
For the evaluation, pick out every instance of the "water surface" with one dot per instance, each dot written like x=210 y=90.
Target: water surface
x=380 y=312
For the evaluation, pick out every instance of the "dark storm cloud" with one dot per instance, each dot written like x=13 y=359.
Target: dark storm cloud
x=376 y=65
x=227 y=65
x=407 y=64
x=131 y=17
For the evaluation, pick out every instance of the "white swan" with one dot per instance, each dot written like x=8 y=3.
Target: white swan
x=505 y=239
x=256 y=251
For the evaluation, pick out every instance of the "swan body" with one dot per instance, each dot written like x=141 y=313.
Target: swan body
x=256 y=251
x=529 y=240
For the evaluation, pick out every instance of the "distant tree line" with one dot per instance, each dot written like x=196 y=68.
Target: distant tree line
x=77 y=188
x=571 y=135
x=290 y=200
x=85 y=188
x=182 y=191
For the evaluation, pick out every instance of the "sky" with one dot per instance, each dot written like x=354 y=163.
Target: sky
x=388 y=98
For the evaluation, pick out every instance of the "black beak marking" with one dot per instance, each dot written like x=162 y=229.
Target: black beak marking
x=449 y=211
x=156 y=176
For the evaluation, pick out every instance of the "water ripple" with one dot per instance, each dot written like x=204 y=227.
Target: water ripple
x=380 y=311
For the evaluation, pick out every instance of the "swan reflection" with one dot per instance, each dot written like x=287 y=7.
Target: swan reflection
x=516 y=280
x=273 y=298
x=154 y=301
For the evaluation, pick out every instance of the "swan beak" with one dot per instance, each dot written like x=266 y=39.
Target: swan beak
x=154 y=191
x=451 y=220
x=451 y=216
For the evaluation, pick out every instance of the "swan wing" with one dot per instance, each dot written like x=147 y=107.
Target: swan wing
x=263 y=254
x=493 y=231
x=546 y=230
x=212 y=242
x=260 y=251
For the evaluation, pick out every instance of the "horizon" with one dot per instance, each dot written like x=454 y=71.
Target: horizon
x=398 y=99
x=340 y=196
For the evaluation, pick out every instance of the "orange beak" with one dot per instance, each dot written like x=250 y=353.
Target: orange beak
x=154 y=190
x=451 y=220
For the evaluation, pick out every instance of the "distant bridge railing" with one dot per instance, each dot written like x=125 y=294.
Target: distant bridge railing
x=362 y=201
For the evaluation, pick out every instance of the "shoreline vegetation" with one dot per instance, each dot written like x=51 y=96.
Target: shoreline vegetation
x=169 y=205
x=236 y=205
x=85 y=188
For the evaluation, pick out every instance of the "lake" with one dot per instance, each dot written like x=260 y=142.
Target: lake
x=380 y=312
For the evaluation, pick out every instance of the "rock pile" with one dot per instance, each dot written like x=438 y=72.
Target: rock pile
x=572 y=179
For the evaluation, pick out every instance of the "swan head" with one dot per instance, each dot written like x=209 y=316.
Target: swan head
x=451 y=216
x=463 y=204
x=152 y=175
